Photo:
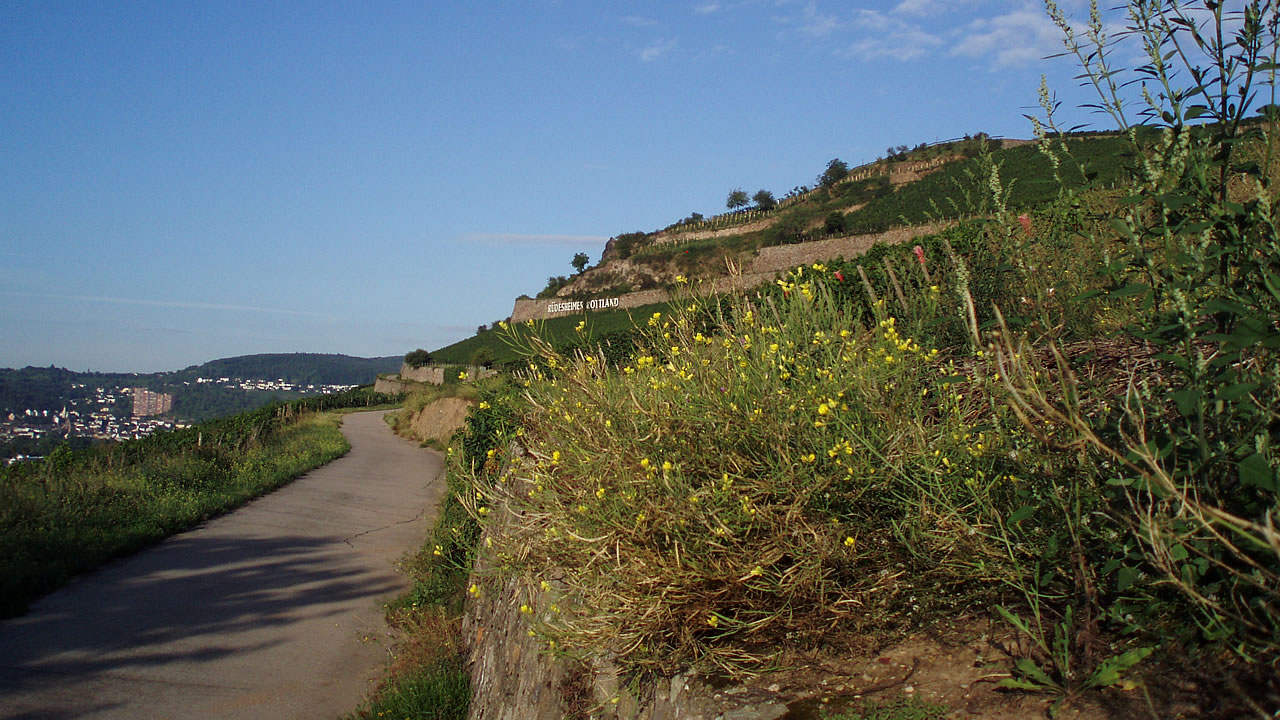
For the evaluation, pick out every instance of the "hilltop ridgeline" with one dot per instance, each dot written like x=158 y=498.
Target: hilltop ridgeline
x=929 y=186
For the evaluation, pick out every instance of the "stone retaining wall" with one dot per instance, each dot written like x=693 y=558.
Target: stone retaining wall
x=426 y=375
x=433 y=374
x=390 y=386
x=784 y=257
x=767 y=263
x=538 y=309
x=515 y=676
x=676 y=236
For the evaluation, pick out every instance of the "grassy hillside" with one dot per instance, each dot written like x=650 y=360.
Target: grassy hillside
x=52 y=387
x=958 y=189
x=561 y=332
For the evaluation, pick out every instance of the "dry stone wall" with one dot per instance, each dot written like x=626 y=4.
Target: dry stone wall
x=433 y=374
x=515 y=676
x=784 y=257
x=526 y=309
x=674 y=236
x=767 y=263
x=390 y=386
x=427 y=375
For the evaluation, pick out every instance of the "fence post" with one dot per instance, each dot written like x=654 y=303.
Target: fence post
x=867 y=284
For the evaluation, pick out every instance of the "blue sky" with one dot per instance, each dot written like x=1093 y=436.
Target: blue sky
x=181 y=181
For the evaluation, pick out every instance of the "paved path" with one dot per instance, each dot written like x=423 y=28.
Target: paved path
x=269 y=612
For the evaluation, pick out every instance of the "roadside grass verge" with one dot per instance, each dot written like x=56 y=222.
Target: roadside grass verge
x=427 y=677
x=74 y=511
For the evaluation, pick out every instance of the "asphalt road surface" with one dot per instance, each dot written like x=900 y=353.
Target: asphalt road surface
x=271 y=611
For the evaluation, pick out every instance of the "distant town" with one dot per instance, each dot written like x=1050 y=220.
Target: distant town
x=123 y=413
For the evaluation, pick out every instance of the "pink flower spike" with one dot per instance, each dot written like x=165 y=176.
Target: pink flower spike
x=919 y=251
x=1025 y=220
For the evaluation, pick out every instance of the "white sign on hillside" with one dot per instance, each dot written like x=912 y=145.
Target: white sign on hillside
x=577 y=305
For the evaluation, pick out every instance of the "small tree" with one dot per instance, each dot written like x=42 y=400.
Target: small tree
x=764 y=200
x=836 y=171
x=835 y=224
x=737 y=198
x=625 y=243
x=787 y=231
x=482 y=357
x=580 y=261
x=417 y=358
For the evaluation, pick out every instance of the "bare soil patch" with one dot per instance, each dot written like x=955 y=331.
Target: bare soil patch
x=440 y=419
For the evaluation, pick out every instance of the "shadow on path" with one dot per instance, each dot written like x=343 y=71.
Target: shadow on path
x=265 y=605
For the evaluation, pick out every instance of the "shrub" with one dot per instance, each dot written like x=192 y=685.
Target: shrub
x=417 y=358
x=834 y=224
x=554 y=284
x=752 y=457
x=626 y=243
x=1192 y=252
x=787 y=231
x=764 y=200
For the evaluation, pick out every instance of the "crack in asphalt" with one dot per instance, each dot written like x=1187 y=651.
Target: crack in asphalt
x=384 y=527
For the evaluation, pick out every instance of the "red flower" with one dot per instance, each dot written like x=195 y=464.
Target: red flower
x=1025 y=220
x=839 y=276
x=919 y=251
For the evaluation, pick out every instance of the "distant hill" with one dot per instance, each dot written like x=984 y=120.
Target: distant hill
x=944 y=181
x=50 y=388
x=301 y=368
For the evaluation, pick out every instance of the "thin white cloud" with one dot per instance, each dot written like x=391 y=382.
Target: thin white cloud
x=707 y=8
x=657 y=50
x=160 y=303
x=874 y=21
x=902 y=45
x=1015 y=39
x=816 y=24
x=638 y=21
x=915 y=7
x=532 y=239
x=934 y=8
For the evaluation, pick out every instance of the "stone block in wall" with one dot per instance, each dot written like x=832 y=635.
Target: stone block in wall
x=390 y=386
x=433 y=374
